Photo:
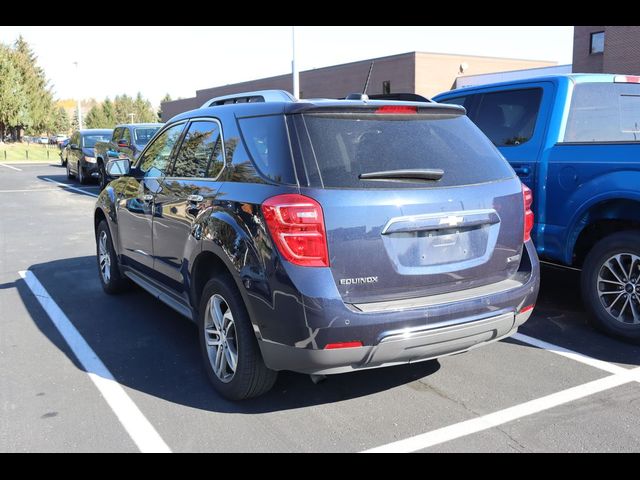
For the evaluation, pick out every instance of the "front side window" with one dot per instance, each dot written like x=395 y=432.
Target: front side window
x=200 y=154
x=508 y=118
x=156 y=158
x=597 y=43
x=604 y=112
x=117 y=135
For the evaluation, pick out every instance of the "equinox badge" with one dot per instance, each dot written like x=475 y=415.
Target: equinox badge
x=358 y=280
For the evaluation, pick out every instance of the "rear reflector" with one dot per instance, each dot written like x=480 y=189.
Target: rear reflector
x=397 y=109
x=527 y=198
x=333 y=346
x=626 y=79
x=296 y=225
x=526 y=309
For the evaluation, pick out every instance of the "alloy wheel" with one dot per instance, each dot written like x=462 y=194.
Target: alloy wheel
x=104 y=257
x=220 y=337
x=618 y=286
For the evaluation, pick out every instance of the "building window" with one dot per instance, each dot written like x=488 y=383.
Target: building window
x=597 y=43
x=386 y=87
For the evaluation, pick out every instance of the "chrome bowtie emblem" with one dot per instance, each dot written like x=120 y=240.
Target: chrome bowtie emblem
x=451 y=220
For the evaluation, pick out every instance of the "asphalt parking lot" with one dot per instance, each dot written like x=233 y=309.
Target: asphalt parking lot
x=83 y=371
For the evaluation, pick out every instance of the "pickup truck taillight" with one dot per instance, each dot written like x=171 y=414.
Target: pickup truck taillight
x=527 y=198
x=296 y=225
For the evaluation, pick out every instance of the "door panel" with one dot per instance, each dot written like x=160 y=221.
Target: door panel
x=136 y=200
x=189 y=191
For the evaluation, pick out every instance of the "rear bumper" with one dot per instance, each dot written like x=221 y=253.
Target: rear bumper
x=394 y=349
x=393 y=332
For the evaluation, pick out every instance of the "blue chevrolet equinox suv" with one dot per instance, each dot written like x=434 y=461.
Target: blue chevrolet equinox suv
x=322 y=236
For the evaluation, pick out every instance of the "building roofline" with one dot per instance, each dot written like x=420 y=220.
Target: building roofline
x=414 y=53
x=487 y=56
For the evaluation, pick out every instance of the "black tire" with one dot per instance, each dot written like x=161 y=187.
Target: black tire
x=82 y=178
x=102 y=179
x=63 y=162
x=116 y=282
x=251 y=378
x=626 y=244
x=69 y=174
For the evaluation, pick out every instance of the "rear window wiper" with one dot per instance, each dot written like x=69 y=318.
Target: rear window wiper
x=433 y=174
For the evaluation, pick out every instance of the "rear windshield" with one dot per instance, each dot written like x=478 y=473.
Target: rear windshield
x=604 y=112
x=89 y=141
x=341 y=146
x=143 y=135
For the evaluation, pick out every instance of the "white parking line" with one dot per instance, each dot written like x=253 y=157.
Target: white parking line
x=468 y=427
x=132 y=419
x=31 y=190
x=70 y=187
x=9 y=166
x=578 y=357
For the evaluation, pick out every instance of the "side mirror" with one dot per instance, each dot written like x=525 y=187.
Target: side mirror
x=122 y=143
x=74 y=146
x=118 y=168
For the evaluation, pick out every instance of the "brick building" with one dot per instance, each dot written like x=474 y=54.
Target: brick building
x=413 y=72
x=606 y=49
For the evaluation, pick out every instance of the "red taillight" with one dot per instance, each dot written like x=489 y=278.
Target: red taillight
x=296 y=225
x=527 y=198
x=397 y=109
x=626 y=79
x=332 y=346
x=526 y=309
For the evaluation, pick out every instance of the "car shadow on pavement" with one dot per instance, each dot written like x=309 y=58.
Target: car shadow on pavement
x=560 y=318
x=150 y=348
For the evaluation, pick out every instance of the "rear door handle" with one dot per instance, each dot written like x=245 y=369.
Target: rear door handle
x=195 y=198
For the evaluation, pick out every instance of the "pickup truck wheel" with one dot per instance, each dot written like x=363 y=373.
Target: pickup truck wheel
x=69 y=174
x=229 y=347
x=111 y=278
x=611 y=285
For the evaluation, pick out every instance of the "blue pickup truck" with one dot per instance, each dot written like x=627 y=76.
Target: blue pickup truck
x=575 y=141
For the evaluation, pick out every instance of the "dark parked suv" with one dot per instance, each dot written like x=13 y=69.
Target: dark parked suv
x=322 y=236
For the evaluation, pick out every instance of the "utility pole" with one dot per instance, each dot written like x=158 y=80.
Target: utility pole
x=131 y=115
x=79 y=110
x=294 y=68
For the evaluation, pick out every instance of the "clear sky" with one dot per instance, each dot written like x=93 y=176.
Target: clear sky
x=180 y=60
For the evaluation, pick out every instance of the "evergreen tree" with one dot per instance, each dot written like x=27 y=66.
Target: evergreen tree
x=39 y=111
x=13 y=100
x=166 y=98
x=108 y=113
x=61 y=122
x=96 y=118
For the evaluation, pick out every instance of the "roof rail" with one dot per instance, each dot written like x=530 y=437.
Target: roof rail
x=251 y=97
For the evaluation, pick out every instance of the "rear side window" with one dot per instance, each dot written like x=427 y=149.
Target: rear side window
x=200 y=154
x=604 y=112
x=337 y=148
x=267 y=142
x=508 y=118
